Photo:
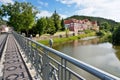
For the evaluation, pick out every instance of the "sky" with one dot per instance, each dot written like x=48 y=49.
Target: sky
x=109 y=9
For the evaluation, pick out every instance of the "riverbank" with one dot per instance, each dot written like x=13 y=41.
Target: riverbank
x=91 y=37
x=66 y=39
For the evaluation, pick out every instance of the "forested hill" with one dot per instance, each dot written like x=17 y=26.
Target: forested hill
x=98 y=19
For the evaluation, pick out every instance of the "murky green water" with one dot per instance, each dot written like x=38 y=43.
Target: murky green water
x=104 y=56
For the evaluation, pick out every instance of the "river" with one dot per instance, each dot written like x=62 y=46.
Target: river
x=103 y=55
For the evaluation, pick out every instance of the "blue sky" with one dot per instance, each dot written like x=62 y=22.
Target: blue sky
x=109 y=9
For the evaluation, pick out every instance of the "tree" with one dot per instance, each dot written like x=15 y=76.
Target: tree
x=62 y=25
x=21 y=15
x=50 y=29
x=27 y=20
x=115 y=36
x=1 y=13
x=105 y=26
x=41 y=25
x=57 y=21
x=33 y=30
x=2 y=22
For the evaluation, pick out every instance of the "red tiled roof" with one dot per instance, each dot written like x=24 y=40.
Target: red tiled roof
x=86 y=20
x=72 y=21
x=94 y=22
x=77 y=21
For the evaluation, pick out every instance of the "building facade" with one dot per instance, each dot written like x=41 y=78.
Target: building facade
x=4 y=28
x=80 y=25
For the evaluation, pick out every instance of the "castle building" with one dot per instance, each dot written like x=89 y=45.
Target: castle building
x=80 y=25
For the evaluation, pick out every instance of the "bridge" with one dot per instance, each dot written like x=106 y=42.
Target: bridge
x=22 y=58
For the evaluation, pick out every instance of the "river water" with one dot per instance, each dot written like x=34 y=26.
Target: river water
x=103 y=55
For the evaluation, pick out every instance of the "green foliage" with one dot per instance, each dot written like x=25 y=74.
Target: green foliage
x=22 y=18
x=33 y=30
x=107 y=37
x=21 y=15
x=57 y=21
x=52 y=25
x=101 y=33
x=117 y=53
x=2 y=22
x=50 y=29
x=59 y=40
x=86 y=35
x=66 y=39
x=105 y=26
x=62 y=25
x=28 y=20
x=116 y=36
x=41 y=25
x=87 y=31
x=67 y=32
x=1 y=13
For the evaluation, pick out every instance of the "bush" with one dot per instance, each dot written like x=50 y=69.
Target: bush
x=116 y=36
x=100 y=33
x=87 y=31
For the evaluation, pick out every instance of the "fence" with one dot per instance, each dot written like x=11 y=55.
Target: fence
x=51 y=64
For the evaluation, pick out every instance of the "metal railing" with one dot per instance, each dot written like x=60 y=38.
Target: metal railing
x=3 y=38
x=51 y=64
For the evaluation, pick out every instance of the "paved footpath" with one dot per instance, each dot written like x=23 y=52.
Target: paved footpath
x=14 y=66
x=2 y=42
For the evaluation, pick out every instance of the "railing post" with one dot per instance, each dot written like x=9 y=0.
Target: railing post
x=28 y=51
x=63 y=70
x=46 y=66
x=31 y=54
x=37 y=63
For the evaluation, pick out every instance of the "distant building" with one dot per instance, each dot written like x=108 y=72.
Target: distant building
x=4 y=28
x=80 y=25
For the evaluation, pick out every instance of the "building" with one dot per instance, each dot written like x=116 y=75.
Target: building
x=4 y=29
x=80 y=25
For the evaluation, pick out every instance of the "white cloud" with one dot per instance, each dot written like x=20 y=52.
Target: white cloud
x=44 y=14
x=63 y=16
x=43 y=3
x=102 y=8
x=48 y=14
x=6 y=1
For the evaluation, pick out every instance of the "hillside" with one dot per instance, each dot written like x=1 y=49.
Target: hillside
x=98 y=19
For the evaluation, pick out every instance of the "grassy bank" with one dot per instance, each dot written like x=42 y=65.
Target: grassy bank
x=62 y=40
x=106 y=38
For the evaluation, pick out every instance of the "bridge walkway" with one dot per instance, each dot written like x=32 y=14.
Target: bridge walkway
x=14 y=66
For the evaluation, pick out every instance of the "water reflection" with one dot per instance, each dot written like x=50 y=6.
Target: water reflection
x=85 y=42
x=100 y=55
x=117 y=48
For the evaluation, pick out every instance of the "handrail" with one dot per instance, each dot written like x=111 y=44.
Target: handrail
x=93 y=70
x=82 y=65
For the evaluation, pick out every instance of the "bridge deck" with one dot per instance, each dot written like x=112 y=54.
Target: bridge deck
x=14 y=66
